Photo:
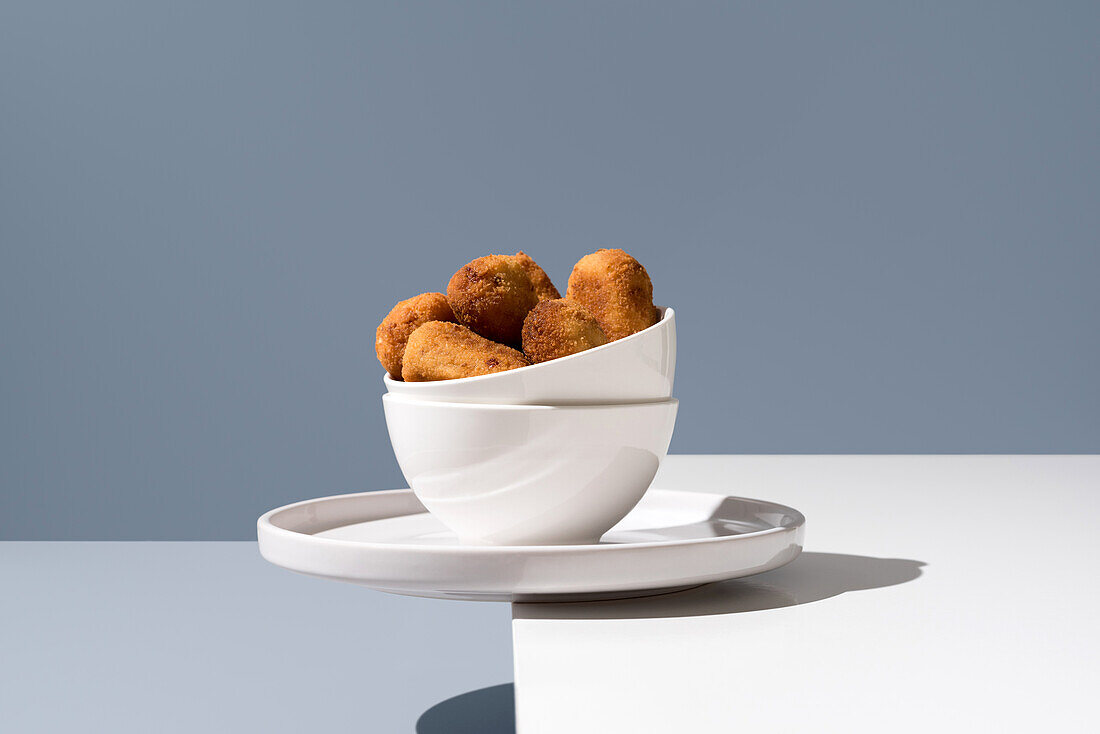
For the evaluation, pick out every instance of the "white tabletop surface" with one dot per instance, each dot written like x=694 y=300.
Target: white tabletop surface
x=935 y=594
x=946 y=593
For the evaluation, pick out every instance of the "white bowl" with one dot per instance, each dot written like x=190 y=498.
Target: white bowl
x=528 y=474
x=635 y=369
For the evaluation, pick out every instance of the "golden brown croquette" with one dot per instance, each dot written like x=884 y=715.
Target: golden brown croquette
x=559 y=328
x=402 y=320
x=440 y=350
x=492 y=296
x=616 y=289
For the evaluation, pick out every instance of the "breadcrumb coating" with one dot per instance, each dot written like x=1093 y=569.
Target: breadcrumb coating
x=544 y=287
x=402 y=320
x=616 y=289
x=441 y=350
x=559 y=328
x=492 y=296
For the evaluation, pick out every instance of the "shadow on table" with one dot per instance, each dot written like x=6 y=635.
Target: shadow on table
x=810 y=577
x=484 y=711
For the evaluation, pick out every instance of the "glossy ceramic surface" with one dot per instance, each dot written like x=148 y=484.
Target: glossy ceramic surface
x=528 y=474
x=636 y=369
x=672 y=539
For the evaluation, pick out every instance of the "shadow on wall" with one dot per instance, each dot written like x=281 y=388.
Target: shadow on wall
x=484 y=711
x=810 y=577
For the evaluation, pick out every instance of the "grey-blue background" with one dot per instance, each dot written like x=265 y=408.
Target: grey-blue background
x=878 y=223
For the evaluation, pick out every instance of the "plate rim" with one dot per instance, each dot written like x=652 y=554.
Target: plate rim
x=264 y=525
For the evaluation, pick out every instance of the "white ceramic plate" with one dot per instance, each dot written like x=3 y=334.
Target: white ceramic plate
x=385 y=540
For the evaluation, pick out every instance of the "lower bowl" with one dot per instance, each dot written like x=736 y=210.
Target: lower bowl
x=528 y=474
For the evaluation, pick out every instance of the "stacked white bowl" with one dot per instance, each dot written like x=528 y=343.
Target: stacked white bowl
x=555 y=453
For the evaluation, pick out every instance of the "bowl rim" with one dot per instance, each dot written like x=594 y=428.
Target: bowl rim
x=667 y=316
x=405 y=400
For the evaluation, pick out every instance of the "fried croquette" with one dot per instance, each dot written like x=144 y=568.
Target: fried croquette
x=401 y=321
x=441 y=350
x=544 y=288
x=559 y=328
x=616 y=289
x=492 y=296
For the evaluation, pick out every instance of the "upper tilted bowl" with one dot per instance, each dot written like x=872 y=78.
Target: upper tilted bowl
x=635 y=369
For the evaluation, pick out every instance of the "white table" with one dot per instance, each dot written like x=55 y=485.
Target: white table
x=943 y=593
x=935 y=594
